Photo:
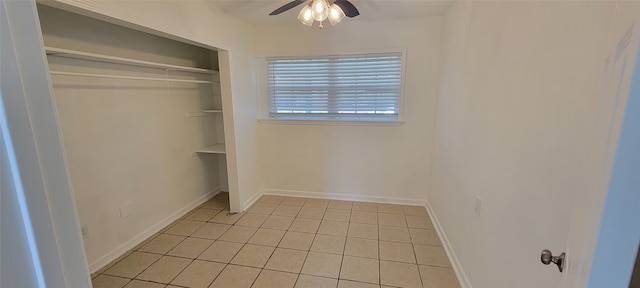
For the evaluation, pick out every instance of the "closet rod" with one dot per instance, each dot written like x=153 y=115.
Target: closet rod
x=127 y=77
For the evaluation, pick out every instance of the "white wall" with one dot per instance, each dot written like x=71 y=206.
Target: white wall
x=128 y=142
x=517 y=102
x=197 y=22
x=202 y=23
x=381 y=163
x=245 y=111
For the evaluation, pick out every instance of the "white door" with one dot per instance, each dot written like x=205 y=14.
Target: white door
x=605 y=229
x=43 y=221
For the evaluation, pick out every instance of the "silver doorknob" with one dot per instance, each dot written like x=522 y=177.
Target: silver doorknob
x=546 y=257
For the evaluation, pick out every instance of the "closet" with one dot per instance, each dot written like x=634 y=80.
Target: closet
x=142 y=123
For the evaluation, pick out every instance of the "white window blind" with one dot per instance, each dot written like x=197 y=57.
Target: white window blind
x=354 y=87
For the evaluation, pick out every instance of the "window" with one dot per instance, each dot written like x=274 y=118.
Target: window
x=352 y=88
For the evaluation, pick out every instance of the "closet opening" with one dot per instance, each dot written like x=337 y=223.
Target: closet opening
x=144 y=123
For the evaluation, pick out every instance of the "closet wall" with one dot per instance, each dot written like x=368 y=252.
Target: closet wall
x=130 y=143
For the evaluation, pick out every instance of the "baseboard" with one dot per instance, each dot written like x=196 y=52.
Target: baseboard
x=251 y=200
x=340 y=196
x=113 y=255
x=455 y=263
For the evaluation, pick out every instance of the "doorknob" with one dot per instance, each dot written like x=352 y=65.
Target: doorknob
x=546 y=257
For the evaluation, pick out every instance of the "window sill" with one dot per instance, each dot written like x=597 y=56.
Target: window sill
x=330 y=122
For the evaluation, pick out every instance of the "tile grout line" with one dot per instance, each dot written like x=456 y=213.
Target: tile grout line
x=194 y=260
x=270 y=255
x=344 y=247
x=415 y=256
x=305 y=257
x=379 y=255
x=277 y=245
x=166 y=255
x=185 y=267
x=145 y=242
x=275 y=248
x=272 y=252
x=235 y=254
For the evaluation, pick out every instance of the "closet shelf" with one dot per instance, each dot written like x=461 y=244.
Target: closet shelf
x=120 y=60
x=52 y=72
x=213 y=149
x=212 y=111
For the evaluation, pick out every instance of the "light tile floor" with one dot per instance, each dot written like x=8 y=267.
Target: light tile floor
x=288 y=242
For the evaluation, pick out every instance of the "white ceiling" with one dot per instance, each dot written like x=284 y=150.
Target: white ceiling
x=257 y=11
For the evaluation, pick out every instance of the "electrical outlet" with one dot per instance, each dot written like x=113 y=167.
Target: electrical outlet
x=478 y=206
x=126 y=209
x=85 y=231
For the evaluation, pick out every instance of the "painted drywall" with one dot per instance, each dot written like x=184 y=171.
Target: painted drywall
x=204 y=24
x=144 y=140
x=361 y=162
x=129 y=142
x=245 y=109
x=518 y=99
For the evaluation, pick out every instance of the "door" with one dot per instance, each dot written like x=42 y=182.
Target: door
x=605 y=229
x=43 y=223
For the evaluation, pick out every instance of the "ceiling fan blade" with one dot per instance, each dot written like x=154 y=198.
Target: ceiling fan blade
x=348 y=8
x=287 y=6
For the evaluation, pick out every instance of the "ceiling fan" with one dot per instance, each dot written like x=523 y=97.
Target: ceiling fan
x=320 y=10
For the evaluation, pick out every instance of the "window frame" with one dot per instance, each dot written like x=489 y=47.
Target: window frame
x=266 y=101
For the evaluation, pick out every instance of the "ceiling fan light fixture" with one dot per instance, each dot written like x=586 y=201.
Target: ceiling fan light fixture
x=306 y=15
x=335 y=14
x=320 y=10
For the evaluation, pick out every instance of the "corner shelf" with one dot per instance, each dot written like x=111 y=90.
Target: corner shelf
x=213 y=149
x=212 y=111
